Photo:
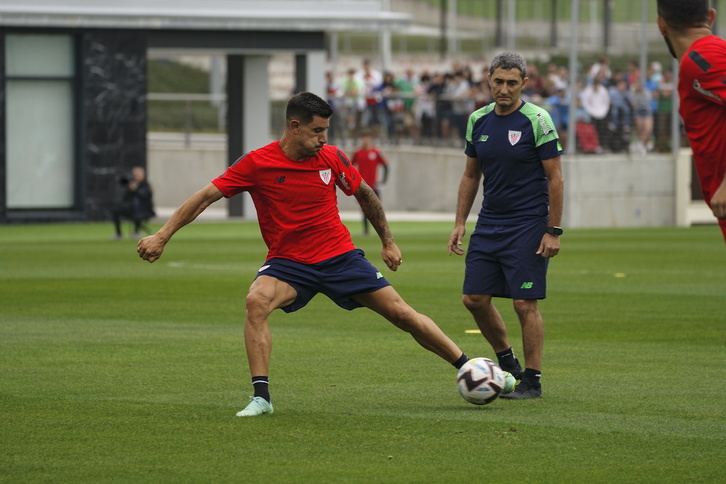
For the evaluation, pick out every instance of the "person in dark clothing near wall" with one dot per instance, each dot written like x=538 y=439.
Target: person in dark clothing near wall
x=137 y=203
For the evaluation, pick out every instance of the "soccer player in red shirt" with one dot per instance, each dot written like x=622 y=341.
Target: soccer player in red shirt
x=686 y=28
x=366 y=159
x=293 y=185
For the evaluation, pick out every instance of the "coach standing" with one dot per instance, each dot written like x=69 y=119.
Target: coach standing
x=686 y=29
x=515 y=146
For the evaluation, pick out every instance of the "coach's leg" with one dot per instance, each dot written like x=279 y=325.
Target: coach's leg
x=532 y=331
x=488 y=320
x=389 y=304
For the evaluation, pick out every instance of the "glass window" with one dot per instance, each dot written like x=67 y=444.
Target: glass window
x=39 y=56
x=40 y=121
x=40 y=169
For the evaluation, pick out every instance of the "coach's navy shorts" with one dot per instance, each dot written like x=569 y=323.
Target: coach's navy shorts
x=339 y=278
x=502 y=261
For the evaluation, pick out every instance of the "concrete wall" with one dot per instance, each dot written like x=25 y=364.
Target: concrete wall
x=601 y=190
x=176 y=168
x=420 y=179
x=619 y=191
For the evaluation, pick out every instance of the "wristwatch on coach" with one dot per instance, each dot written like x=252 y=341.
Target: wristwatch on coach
x=556 y=231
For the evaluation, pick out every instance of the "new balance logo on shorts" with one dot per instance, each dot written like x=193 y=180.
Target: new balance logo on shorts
x=527 y=285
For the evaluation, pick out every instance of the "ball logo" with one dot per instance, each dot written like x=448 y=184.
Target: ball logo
x=471 y=383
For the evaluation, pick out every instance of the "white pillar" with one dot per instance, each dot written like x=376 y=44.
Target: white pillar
x=511 y=25
x=384 y=39
x=453 y=32
x=644 y=41
x=315 y=72
x=594 y=24
x=386 y=51
x=571 y=133
x=334 y=54
x=256 y=114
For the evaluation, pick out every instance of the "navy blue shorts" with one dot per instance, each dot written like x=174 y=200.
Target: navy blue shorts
x=502 y=261
x=339 y=278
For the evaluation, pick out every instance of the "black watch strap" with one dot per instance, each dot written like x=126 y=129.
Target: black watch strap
x=556 y=231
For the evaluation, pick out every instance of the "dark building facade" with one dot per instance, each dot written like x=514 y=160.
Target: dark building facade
x=113 y=115
x=107 y=124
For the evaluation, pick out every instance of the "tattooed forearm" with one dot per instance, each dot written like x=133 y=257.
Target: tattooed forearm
x=373 y=211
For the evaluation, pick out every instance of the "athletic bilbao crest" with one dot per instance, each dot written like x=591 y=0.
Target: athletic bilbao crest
x=514 y=137
x=325 y=176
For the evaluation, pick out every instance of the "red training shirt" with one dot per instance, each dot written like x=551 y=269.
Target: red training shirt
x=296 y=202
x=702 y=91
x=367 y=161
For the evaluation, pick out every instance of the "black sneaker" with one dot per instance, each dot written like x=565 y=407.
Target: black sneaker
x=516 y=370
x=524 y=390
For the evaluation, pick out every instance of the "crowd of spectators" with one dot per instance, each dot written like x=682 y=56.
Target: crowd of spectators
x=617 y=110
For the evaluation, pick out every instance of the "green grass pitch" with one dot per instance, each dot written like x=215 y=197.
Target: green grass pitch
x=116 y=370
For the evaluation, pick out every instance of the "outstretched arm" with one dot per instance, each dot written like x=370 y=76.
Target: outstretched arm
x=151 y=247
x=373 y=211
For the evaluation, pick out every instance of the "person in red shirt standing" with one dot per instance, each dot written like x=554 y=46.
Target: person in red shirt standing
x=367 y=158
x=293 y=185
x=686 y=28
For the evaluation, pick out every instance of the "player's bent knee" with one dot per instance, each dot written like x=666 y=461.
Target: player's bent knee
x=257 y=303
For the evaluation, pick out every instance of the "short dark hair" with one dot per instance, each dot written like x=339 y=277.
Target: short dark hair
x=508 y=61
x=682 y=15
x=305 y=105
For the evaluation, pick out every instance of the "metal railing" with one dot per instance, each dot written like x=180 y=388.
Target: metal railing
x=423 y=120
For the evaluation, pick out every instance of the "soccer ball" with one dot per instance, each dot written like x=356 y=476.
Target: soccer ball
x=480 y=381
